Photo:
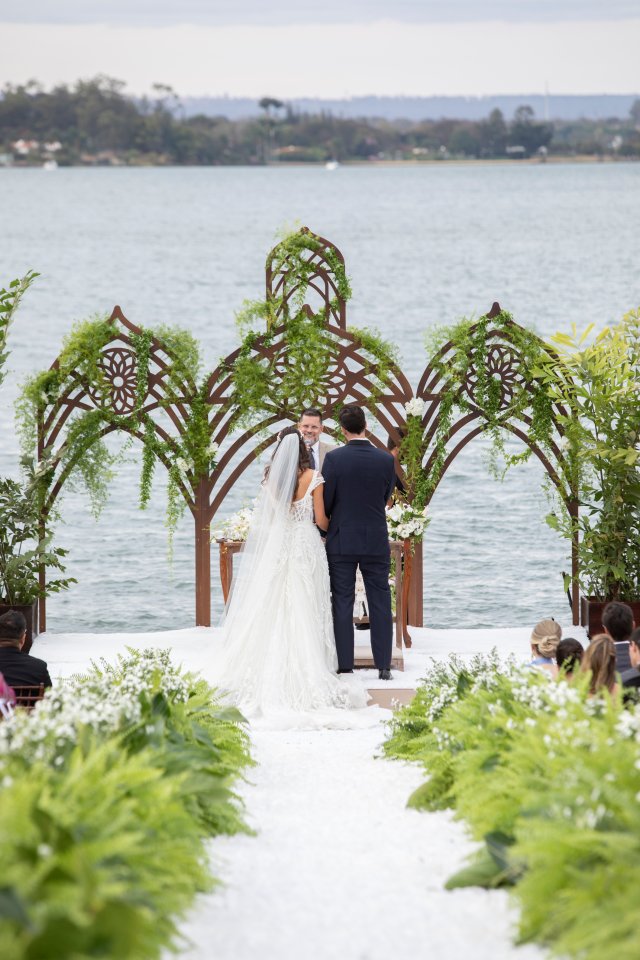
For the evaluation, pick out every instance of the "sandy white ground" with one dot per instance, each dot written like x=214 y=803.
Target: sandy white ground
x=339 y=867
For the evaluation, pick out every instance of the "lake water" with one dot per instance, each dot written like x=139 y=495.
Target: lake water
x=554 y=244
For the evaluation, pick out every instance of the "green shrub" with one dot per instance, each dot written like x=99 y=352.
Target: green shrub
x=108 y=791
x=548 y=780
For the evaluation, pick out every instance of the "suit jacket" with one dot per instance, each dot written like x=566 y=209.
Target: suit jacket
x=21 y=669
x=358 y=481
x=622 y=655
x=630 y=677
x=323 y=450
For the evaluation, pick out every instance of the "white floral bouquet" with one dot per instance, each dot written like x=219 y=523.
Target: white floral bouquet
x=414 y=407
x=405 y=522
x=236 y=527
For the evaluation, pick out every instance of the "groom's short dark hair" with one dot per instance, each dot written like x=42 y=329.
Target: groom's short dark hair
x=352 y=419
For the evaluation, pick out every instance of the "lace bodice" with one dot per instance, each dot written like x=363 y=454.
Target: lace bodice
x=301 y=510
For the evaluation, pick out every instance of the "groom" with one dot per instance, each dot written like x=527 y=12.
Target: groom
x=358 y=481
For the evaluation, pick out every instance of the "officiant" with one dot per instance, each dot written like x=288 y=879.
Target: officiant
x=310 y=426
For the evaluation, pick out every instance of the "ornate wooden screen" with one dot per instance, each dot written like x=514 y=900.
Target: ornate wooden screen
x=165 y=408
x=503 y=364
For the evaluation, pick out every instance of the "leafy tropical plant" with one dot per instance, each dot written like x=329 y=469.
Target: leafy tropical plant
x=596 y=381
x=23 y=550
x=10 y=298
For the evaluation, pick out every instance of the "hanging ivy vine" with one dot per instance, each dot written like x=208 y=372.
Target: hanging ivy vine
x=84 y=456
x=475 y=380
x=285 y=382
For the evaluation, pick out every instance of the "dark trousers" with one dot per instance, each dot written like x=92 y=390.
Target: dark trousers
x=375 y=573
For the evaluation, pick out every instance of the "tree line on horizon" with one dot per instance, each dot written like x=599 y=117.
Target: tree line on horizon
x=95 y=121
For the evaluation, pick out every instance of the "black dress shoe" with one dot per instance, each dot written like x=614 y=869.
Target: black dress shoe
x=345 y=671
x=384 y=675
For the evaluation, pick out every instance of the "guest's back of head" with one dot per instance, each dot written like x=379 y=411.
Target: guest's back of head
x=600 y=661
x=617 y=620
x=12 y=628
x=545 y=638
x=569 y=656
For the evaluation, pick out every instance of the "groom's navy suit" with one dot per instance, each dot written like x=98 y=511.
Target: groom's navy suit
x=358 y=482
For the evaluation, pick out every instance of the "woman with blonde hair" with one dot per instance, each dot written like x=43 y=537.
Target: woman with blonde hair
x=544 y=642
x=600 y=661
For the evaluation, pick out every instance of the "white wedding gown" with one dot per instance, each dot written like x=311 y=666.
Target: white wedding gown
x=279 y=659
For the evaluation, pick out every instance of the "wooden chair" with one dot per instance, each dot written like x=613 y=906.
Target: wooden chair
x=27 y=697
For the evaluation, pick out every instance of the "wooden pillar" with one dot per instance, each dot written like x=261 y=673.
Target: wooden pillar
x=415 y=612
x=203 y=556
x=42 y=579
x=42 y=532
x=575 y=567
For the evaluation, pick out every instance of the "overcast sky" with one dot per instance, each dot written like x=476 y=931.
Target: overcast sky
x=336 y=48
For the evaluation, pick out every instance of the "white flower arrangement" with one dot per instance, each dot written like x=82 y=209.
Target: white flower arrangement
x=405 y=522
x=236 y=527
x=414 y=407
x=107 y=700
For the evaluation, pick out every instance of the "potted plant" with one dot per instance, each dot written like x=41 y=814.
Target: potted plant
x=598 y=383
x=23 y=551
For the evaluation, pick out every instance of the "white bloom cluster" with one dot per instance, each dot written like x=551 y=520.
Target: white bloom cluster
x=236 y=528
x=108 y=700
x=184 y=465
x=414 y=408
x=534 y=690
x=628 y=725
x=404 y=522
x=442 y=684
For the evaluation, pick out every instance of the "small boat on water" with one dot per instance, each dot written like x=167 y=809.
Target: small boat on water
x=50 y=165
x=331 y=165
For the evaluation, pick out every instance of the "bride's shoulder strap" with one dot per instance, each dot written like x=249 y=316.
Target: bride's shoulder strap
x=317 y=480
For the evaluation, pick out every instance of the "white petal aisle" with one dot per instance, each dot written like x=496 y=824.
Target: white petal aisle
x=339 y=867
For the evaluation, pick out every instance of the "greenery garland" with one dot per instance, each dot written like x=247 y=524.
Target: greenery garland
x=259 y=391
x=85 y=456
x=471 y=356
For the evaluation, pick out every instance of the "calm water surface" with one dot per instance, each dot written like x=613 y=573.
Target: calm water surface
x=555 y=244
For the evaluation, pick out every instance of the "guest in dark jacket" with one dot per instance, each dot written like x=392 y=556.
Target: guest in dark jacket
x=617 y=620
x=631 y=677
x=19 y=669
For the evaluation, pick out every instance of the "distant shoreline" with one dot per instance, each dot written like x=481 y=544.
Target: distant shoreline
x=448 y=161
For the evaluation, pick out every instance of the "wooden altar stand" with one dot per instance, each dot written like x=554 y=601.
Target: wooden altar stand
x=363 y=656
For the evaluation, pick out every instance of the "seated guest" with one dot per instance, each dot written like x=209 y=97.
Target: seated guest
x=631 y=677
x=617 y=622
x=568 y=657
x=19 y=669
x=544 y=642
x=600 y=661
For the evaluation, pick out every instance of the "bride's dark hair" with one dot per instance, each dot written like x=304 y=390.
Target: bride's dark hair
x=303 y=454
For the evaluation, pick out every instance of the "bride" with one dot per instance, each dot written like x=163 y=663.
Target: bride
x=279 y=651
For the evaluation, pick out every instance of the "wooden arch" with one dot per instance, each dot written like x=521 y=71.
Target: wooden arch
x=350 y=378
x=503 y=363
